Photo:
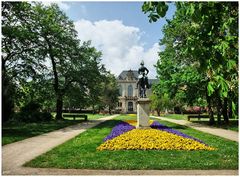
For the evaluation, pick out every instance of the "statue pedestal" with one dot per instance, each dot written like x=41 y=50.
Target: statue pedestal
x=143 y=110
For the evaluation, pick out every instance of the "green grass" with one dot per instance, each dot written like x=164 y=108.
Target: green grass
x=16 y=131
x=176 y=116
x=233 y=124
x=80 y=153
x=90 y=116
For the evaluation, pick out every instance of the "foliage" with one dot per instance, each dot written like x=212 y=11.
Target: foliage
x=32 y=116
x=209 y=43
x=156 y=10
x=109 y=96
x=17 y=51
x=160 y=102
x=31 y=113
x=44 y=61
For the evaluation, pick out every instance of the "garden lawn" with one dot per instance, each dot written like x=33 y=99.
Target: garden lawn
x=233 y=123
x=80 y=153
x=176 y=116
x=89 y=116
x=16 y=131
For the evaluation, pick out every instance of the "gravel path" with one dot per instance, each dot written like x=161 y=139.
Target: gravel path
x=228 y=134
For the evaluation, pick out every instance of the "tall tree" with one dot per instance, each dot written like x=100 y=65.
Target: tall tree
x=41 y=44
x=71 y=62
x=110 y=92
x=18 y=50
x=210 y=38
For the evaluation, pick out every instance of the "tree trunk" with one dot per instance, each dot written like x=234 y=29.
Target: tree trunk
x=59 y=107
x=109 y=111
x=158 y=112
x=225 y=111
x=219 y=109
x=7 y=95
x=210 y=111
x=230 y=112
x=57 y=90
x=93 y=111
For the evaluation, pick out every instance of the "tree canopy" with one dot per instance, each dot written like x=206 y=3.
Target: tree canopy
x=44 y=61
x=201 y=55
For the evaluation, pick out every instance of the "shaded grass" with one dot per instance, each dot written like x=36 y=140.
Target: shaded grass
x=16 y=131
x=80 y=153
x=233 y=124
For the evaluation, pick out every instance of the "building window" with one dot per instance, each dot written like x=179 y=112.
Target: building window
x=130 y=106
x=130 y=90
x=120 y=90
x=119 y=104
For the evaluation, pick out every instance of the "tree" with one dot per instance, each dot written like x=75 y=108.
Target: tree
x=110 y=92
x=160 y=102
x=72 y=63
x=209 y=39
x=41 y=49
x=18 y=49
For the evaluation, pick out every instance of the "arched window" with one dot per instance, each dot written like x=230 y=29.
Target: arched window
x=120 y=90
x=130 y=90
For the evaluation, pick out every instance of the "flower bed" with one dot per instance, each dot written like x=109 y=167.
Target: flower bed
x=118 y=130
x=159 y=126
x=160 y=137
x=134 y=122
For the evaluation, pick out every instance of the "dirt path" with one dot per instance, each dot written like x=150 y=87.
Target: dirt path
x=228 y=134
x=14 y=155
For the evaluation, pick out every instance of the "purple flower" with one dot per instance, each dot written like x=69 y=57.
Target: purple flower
x=118 y=130
x=157 y=125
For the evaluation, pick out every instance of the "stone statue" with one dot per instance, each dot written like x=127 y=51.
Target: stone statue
x=142 y=80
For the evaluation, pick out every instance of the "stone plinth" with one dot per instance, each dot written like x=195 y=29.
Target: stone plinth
x=143 y=110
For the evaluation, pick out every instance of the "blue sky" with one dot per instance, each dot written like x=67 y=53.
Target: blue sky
x=120 y=30
x=128 y=12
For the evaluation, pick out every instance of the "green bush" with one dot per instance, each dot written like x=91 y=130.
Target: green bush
x=32 y=106
x=31 y=113
x=32 y=116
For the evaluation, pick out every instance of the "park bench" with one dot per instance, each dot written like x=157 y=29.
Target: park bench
x=76 y=115
x=199 y=116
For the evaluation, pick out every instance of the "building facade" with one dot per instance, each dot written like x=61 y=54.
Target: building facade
x=128 y=92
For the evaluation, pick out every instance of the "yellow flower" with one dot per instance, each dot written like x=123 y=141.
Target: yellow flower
x=152 y=139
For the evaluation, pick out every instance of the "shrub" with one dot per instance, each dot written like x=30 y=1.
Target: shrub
x=32 y=116
x=31 y=113
x=32 y=106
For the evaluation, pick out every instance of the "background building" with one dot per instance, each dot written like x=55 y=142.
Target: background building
x=128 y=92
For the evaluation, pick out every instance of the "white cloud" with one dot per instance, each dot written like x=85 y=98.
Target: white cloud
x=61 y=5
x=120 y=45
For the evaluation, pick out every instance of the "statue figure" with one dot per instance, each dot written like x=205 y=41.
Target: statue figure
x=142 y=80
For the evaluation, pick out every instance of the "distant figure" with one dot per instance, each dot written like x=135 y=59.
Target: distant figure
x=142 y=80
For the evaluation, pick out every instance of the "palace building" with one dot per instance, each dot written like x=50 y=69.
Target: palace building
x=128 y=92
